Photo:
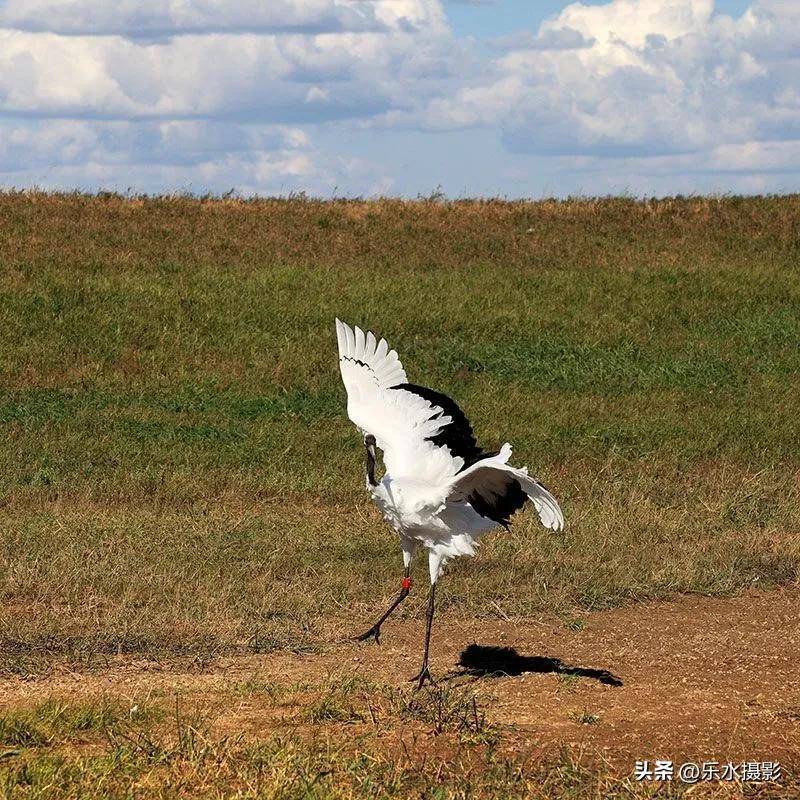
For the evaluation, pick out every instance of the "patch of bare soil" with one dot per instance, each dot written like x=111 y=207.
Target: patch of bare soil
x=697 y=679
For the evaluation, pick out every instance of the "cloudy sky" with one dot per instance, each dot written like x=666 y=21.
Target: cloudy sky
x=403 y=97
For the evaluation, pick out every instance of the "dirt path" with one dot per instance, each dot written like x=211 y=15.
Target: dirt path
x=701 y=678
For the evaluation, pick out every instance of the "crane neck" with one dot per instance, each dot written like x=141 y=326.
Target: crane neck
x=370 y=467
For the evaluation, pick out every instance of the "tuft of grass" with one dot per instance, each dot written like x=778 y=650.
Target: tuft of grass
x=585 y=717
x=331 y=708
x=446 y=708
x=575 y=624
x=568 y=681
x=256 y=686
x=188 y=741
x=55 y=721
x=345 y=699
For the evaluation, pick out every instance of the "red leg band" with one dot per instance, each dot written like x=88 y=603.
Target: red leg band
x=406 y=584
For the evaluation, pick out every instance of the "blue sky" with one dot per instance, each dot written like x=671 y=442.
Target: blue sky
x=401 y=97
x=494 y=19
x=483 y=20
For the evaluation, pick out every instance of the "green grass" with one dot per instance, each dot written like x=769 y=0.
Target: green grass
x=585 y=718
x=179 y=473
x=287 y=768
x=443 y=749
x=56 y=722
x=100 y=750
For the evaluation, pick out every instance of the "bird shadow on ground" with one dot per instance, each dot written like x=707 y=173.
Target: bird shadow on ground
x=479 y=661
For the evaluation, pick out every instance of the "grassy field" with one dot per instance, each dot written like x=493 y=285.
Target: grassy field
x=179 y=476
x=99 y=749
x=96 y=749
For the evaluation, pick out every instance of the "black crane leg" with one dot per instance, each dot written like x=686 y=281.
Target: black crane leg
x=375 y=630
x=424 y=674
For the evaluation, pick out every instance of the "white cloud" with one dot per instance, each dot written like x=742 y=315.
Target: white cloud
x=563 y=38
x=204 y=92
x=264 y=77
x=58 y=142
x=159 y=18
x=632 y=21
x=657 y=79
x=214 y=93
x=162 y=156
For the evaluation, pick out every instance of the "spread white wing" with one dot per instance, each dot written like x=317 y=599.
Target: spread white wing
x=424 y=435
x=380 y=401
x=495 y=489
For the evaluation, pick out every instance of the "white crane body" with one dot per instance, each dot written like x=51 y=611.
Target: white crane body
x=440 y=491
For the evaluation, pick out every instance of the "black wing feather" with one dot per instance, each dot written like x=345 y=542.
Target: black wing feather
x=499 y=508
x=458 y=438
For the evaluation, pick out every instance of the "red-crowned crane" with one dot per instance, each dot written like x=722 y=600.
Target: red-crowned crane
x=440 y=491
